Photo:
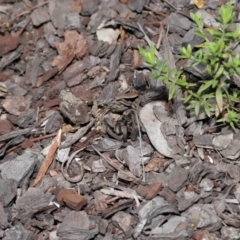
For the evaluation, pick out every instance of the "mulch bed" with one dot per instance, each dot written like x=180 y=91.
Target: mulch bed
x=89 y=146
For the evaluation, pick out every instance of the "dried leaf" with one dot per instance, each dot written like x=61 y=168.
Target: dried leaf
x=49 y=158
x=73 y=46
x=199 y=3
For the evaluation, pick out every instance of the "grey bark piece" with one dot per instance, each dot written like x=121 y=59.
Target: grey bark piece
x=47 y=183
x=40 y=16
x=178 y=23
x=89 y=7
x=206 y=184
x=54 y=123
x=131 y=26
x=139 y=81
x=102 y=224
x=20 y=167
x=179 y=4
x=35 y=200
x=102 y=15
x=10 y=57
x=98 y=166
x=171 y=230
x=106 y=144
x=50 y=35
x=123 y=10
x=153 y=128
x=233 y=150
x=178 y=178
x=123 y=221
x=190 y=38
x=146 y=150
x=58 y=10
x=73 y=108
x=132 y=159
x=207 y=217
x=114 y=64
x=143 y=213
x=230 y=233
x=8 y=191
x=152 y=177
x=100 y=48
x=18 y=232
x=108 y=93
x=74 y=70
x=203 y=141
x=32 y=70
x=25 y=119
x=194 y=128
x=10 y=143
x=222 y=141
x=77 y=226
x=3 y=217
x=197 y=70
x=73 y=138
x=2 y=233
x=137 y=6
x=187 y=200
x=14 y=88
x=73 y=21
x=168 y=127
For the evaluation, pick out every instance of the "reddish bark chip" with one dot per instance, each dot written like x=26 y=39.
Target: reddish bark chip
x=7 y=44
x=71 y=199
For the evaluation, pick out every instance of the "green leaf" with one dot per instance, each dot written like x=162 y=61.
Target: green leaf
x=226 y=14
x=219 y=72
x=226 y=74
x=236 y=33
x=171 y=91
x=191 y=106
x=205 y=86
x=214 y=32
x=234 y=98
x=142 y=51
x=221 y=120
x=219 y=99
x=197 y=107
x=207 y=109
x=217 y=113
x=163 y=66
x=198 y=54
x=186 y=99
x=199 y=33
x=197 y=20
x=155 y=75
x=231 y=117
x=209 y=69
x=186 y=52
x=232 y=125
x=214 y=83
x=208 y=96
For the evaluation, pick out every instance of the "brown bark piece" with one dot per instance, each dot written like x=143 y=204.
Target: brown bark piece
x=73 y=46
x=71 y=199
x=5 y=126
x=16 y=104
x=7 y=44
x=153 y=190
x=48 y=159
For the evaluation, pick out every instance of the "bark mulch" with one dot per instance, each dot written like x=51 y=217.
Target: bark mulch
x=89 y=146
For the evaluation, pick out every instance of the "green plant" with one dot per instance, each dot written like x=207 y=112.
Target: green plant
x=215 y=95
